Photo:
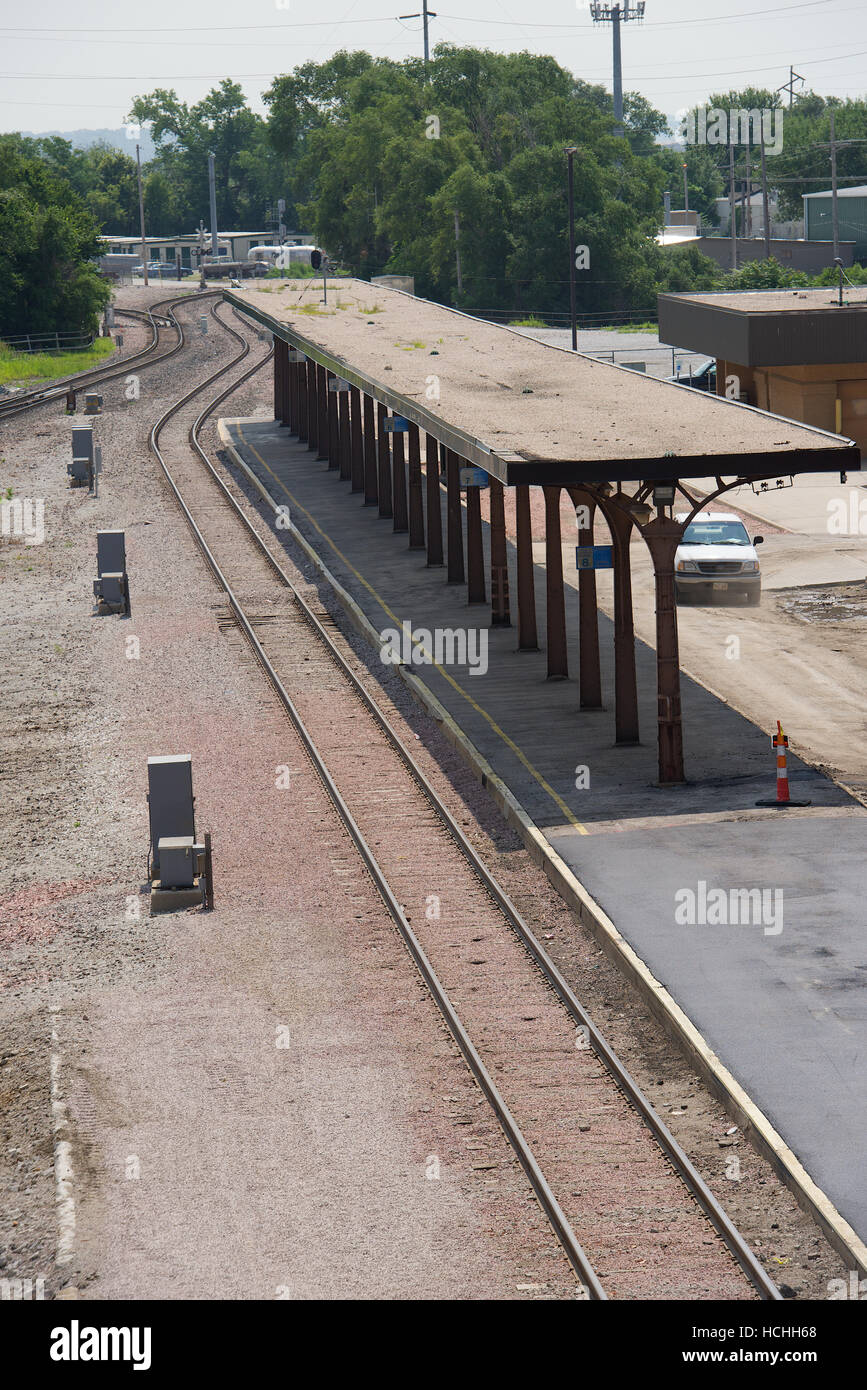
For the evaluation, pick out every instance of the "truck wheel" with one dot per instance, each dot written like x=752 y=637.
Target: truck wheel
x=754 y=598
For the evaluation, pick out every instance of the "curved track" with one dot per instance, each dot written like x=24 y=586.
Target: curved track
x=160 y=315
x=192 y=478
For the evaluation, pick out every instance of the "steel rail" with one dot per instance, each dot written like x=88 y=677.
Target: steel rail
x=591 y=1285
x=683 y=1166
x=93 y=376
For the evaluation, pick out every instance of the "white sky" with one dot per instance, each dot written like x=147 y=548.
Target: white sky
x=65 y=75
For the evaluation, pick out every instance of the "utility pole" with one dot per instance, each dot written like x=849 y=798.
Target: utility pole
x=835 y=221
x=765 y=206
x=212 y=189
x=732 y=207
x=424 y=16
x=573 y=311
x=144 y=244
x=748 y=229
x=458 y=251
x=623 y=11
x=790 y=85
x=685 y=189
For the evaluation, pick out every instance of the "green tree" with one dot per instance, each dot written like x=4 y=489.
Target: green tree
x=48 y=238
x=248 y=177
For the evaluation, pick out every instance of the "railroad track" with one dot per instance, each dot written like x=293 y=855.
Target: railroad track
x=158 y=316
x=648 y=1222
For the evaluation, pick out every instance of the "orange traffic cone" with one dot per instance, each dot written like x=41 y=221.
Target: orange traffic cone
x=783 y=797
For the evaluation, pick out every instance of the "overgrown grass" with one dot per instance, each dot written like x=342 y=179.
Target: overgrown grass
x=531 y=322
x=375 y=309
x=629 y=328
x=18 y=367
x=299 y=271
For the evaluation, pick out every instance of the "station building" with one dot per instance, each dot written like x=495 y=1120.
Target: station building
x=797 y=353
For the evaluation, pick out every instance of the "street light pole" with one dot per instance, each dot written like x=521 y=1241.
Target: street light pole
x=573 y=312
x=144 y=244
x=835 y=222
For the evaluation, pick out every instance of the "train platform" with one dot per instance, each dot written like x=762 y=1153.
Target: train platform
x=746 y=919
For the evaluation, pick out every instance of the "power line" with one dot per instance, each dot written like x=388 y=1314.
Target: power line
x=385 y=19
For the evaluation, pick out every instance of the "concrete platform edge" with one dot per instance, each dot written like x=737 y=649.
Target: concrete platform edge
x=664 y=1007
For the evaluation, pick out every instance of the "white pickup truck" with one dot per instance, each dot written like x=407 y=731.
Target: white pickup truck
x=716 y=558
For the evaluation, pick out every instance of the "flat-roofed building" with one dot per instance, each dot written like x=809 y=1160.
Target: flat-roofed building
x=797 y=353
x=851 y=216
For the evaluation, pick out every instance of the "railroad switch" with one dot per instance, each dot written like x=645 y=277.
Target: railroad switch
x=70 y=401
x=180 y=869
x=111 y=588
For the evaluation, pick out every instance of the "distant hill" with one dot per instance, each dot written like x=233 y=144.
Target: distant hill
x=82 y=139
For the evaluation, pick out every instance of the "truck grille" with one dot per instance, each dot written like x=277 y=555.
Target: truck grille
x=719 y=566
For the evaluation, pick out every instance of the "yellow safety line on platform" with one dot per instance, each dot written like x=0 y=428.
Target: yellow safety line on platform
x=519 y=753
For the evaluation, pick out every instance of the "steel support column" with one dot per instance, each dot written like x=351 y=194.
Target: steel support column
x=278 y=411
x=625 y=680
x=322 y=394
x=303 y=403
x=289 y=400
x=331 y=402
x=455 y=530
x=384 y=461
x=475 y=548
x=434 y=503
x=344 y=442
x=558 y=661
x=500 y=615
x=528 y=638
x=663 y=536
x=371 y=495
x=398 y=476
x=589 y=672
x=312 y=407
x=294 y=399
x=356 y=440
x=416 y=507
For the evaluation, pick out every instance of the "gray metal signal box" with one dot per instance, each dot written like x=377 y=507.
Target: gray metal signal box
x=180 y=869
x=111 y=588
x=82 y=442
x=170 y=802
x=80 y=471
x=92 y=403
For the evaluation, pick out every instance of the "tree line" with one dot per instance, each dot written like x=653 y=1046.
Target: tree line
x=397 y=168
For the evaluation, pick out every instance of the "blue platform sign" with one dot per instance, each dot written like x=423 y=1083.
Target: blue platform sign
x=473 y=477
x=593 y=557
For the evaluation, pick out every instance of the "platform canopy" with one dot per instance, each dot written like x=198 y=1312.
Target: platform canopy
x=525 y=411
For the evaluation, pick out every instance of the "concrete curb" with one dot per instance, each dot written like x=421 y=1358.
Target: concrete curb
x=664 y=1007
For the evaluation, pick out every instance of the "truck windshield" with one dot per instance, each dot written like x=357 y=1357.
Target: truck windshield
x=715 y=533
